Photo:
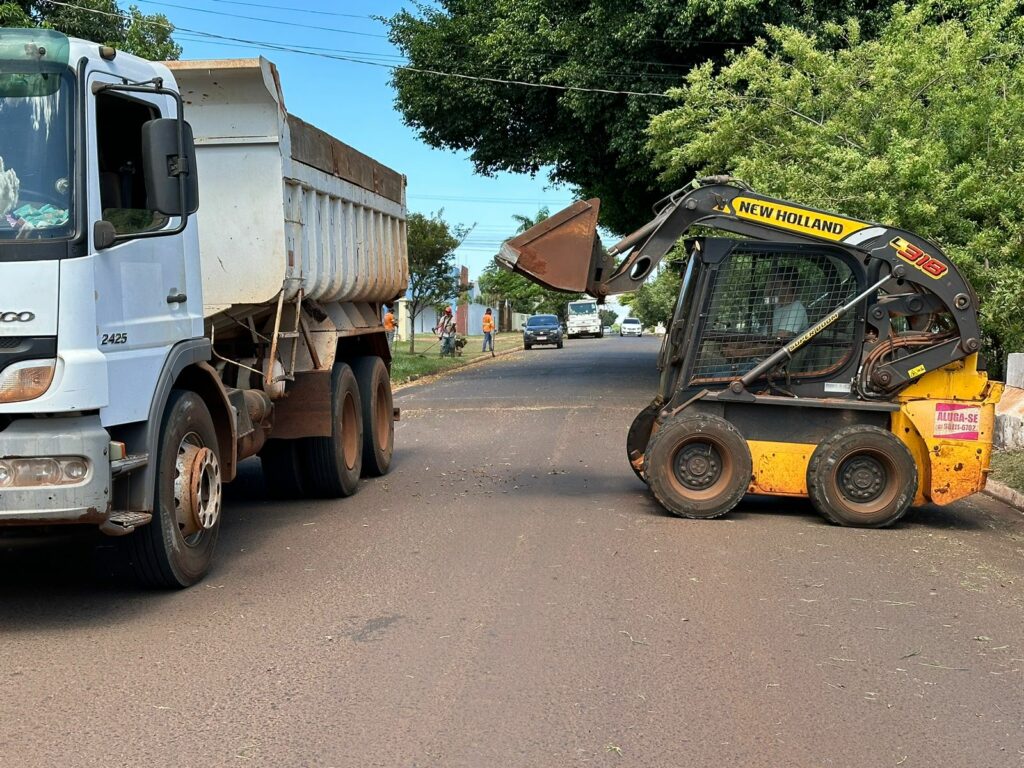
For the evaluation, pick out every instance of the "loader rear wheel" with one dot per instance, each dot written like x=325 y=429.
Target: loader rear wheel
x=698 y=466
x=378 y=414
x=282 y=469
x=863 y=477
x=332 y=465
x=175 y=550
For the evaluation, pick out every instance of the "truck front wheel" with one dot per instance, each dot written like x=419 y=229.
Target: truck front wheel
x=175 y=550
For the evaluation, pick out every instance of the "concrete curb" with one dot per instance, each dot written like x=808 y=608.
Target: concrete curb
x=441 y=374
x=1005 y=494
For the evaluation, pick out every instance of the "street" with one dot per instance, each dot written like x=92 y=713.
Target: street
x=511 y=595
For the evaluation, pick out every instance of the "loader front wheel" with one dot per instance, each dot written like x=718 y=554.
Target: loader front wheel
x=639 y=435
x=698 y=466
x=862 y=477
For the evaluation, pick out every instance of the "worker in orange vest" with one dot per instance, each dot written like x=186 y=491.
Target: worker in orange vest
x=488 y=326
x=389 y=327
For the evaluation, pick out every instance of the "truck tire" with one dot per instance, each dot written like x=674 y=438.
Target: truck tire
x=176 y=548
x=332 y=465
x=378 y=414
x=863 y=477
x=698 y=466
x=282 y=469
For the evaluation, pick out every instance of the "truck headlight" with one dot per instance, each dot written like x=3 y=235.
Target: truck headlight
x=43 y=470
x=26 y=380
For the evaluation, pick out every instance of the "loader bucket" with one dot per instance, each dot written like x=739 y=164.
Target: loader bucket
x=563 y=252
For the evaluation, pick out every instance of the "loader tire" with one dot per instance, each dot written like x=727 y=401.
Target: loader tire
x=175 y=550
x=862 y=477
x=698 y=466
x=332 y=465
x=282 y=469
x=378 y=414
x=639 y=436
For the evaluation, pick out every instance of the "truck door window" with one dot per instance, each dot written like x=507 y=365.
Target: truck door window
x=760 y=300
x=119 y=122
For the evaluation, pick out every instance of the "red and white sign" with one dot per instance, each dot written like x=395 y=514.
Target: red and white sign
x=957 y=422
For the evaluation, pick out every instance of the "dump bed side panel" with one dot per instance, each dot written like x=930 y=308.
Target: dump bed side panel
x=282 y=199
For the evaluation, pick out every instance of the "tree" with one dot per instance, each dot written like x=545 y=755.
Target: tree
x=101 y=21
x=433 y=278
x=501 y=285
x=922 y=128
x=608 y=317
x=654 y=301
x=592 y=141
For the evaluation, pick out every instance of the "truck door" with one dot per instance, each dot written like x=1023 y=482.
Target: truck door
x=140 y=283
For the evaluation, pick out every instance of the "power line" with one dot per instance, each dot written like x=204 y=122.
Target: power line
x=395 y=67
x=291 y=10
x=404 y=59
x=257 y=18
x=544 y=54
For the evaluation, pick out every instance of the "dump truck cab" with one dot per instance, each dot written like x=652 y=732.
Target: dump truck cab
x=820 y=356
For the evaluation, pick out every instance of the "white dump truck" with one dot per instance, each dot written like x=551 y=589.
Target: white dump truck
x=189 y=276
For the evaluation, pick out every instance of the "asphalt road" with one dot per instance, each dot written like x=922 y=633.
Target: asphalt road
x=510 y=595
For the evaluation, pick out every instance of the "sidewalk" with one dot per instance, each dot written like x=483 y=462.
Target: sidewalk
x=1006 y=482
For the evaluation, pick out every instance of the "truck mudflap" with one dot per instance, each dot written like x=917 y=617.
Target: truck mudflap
x=563 y=252
x=41 y=471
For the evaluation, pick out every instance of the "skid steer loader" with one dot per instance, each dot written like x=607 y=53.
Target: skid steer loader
x=817 y=356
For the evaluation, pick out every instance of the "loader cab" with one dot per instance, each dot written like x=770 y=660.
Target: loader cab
x=740 y=300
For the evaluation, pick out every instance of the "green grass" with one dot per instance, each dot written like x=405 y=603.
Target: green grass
x=1008 y=469
x=427 y=360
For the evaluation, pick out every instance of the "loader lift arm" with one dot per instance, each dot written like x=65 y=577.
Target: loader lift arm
x=914 y=276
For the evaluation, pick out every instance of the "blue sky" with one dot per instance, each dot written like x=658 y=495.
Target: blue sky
x=356 y=103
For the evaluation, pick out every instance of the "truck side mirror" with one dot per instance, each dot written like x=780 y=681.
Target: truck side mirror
x=103 y=235
x=165 y=169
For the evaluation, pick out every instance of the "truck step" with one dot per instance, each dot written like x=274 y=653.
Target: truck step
x=128 y=464
x=121 y=523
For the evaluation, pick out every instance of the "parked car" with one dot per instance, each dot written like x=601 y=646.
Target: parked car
x=542 y=329
x=630 y=326
x=607 y=329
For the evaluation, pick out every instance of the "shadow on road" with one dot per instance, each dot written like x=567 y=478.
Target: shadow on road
x=76 y=575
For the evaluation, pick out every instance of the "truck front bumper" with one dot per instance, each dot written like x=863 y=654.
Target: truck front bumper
x=83 y=501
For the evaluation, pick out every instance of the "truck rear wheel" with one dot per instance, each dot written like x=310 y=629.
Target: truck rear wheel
x=698 y=466
x=332 y=464
x=282 y=469
x=378 y=415
x=176 y=548
x=862 y=477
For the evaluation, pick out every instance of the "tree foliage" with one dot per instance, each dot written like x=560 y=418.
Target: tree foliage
x=608 y=317
x=499 y=285
x=101 y=21
x=592 y=141
x=433 y=278
x=654 y=301
x=922 y=128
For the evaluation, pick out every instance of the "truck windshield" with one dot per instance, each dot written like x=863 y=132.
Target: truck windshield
x=586 y=308
x=36 y=129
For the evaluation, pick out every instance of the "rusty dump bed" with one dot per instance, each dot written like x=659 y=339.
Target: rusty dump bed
x=319 y=149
